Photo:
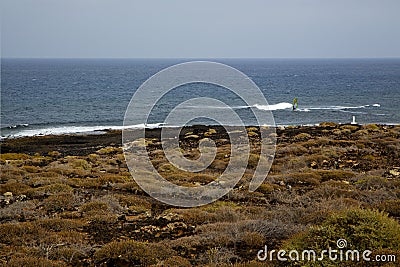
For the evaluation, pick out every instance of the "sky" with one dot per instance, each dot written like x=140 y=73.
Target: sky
x=200 y=29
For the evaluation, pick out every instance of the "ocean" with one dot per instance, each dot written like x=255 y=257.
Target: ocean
x=56 y=96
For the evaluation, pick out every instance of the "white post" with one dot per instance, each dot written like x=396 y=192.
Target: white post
x=354 y=120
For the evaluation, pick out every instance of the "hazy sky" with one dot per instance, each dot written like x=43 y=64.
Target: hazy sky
x=200 y=29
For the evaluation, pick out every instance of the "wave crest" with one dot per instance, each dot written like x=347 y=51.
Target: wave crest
x=282 y=105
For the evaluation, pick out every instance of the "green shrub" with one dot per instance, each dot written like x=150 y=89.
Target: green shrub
x=328 y=124
x=350 y=127
x=362 y=229
x=95 y=207
x=112 y=178
x=266 y=188
x=61 y=202
x=253 y=160
x=13 y=156
x=175 y=261
x=109 y=150
x=102 y=227
x=391 y=206
x=315 y=160
x=54 y=154
x=58 y=225
x=80 y=164
x=253 y=239
x=200 y=178
x=133 y=202
x=337 y=132
x=20 y=233
x=20 y=210
x=13 y=187
x=210 y=132
x=51 y=189
x=304 y=178
x=72 y=254
x=31 y=169
x=292 y=149
x=253 y=263
x=337 y=175
x=252 y=134
x=84 y=182
x=28 y=261
x=132 y=253
x=372 y=183
x=372 y=127
x=302 y=137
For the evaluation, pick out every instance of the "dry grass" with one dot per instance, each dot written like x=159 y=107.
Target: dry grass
x=87 y=210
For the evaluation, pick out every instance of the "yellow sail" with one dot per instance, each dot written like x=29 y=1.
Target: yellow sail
x=295 y=103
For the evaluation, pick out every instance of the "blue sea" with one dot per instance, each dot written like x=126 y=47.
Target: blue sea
x=55 y=96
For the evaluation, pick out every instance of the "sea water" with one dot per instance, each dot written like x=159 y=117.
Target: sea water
x=55 y=96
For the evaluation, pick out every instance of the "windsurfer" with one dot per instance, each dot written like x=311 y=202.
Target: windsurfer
x=295 y=103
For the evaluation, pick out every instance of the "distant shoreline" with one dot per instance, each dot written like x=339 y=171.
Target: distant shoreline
x=84 y=144
x=101 y=130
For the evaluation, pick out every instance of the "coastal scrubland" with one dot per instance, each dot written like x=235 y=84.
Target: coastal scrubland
x=71 y=200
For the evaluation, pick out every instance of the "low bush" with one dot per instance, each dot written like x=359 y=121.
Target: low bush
x=61 y=202
x=329 y=124
x=54 y=154
x=11 y=173
x=371 y=127
x=109 y=150
x=138 y=203
x=372 y=183
x=28 y=261
x=302 y=137
x=20 y=211
x=266 y=188
x=132 y=252
x=31 y=169
x=362 y=229
x=337 y=175
x=112 y=178
x=45 y=178
x=84 y=182
x=70 y=254
x=95 y=207
x=200 y=178
x=14 y=156
x=350 y=127
x=49 y=190
x=14 y=187
x=253 y=239
x=219 y=164
x=21 y=233
x=254 y=159
x=252 y=134
x=175 y=261
x=58 y=225
x=292 y=149
x=392 y=207
x=80 y=164
x=303 y=178
x=102 y=227
x=210 y=132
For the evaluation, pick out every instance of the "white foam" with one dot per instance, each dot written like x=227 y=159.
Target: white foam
x=279 y=106
x=285 y=105
x=335 y=107
x=78 y=129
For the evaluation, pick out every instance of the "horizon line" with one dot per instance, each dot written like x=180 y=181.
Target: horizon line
x=197 y=58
